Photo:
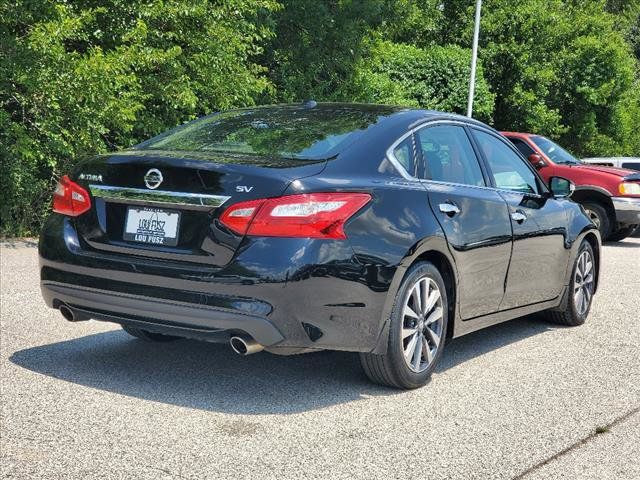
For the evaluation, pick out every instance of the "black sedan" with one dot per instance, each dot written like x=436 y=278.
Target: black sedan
x=297 y=228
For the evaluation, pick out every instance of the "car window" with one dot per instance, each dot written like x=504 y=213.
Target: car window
x=522 y=147
x=631 y=165
x=554 y=151
x=448 y=155
x=404 y=154
x=509 y=171
x=293 y=132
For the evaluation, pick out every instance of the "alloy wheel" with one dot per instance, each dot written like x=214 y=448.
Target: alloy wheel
x=422 y=324
x=593 y=216
x=583 y=283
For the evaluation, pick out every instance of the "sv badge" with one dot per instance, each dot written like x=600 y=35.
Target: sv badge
x=243 y=188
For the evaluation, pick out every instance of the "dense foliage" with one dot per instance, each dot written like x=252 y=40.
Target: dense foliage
x=90 y=76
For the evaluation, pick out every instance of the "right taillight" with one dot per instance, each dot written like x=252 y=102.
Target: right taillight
x=69 y=198
x=311 y=215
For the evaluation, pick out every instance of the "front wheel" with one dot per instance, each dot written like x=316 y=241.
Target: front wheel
x=576 y=308
x=598 y=215
x=418 y=326
x=622 y=233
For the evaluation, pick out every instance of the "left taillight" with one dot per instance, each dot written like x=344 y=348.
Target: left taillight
x=313 y=215
x=69 y=198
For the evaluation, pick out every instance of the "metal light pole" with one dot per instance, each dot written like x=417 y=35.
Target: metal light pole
x=474 y=59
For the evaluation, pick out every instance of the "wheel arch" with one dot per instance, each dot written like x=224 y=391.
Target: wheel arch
x=595 y=194
x=445 y=267
x=432 y=250
x=595 y=246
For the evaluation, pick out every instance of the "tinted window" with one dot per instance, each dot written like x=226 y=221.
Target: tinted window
x=448 y=155
x=283 y=131
x=522 y=147
x=509 y=171
x=404 y=154
x=554 y=151
x=631 y=165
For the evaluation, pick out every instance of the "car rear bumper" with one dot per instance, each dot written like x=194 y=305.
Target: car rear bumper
x=287 y=294
x=627 y=210
x=154 y=314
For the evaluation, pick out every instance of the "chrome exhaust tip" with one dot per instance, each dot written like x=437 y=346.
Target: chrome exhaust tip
x=70 y=314
x=67 y=313
x=245 y=345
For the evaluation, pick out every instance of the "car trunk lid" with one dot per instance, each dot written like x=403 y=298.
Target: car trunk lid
x=165 y=205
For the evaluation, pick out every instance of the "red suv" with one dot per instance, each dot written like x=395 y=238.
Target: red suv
x=610 y=196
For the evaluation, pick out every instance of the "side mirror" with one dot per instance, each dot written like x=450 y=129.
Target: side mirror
x=537 y=160
x=561 y=187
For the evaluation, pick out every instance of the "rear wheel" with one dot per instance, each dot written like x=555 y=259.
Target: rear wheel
x=581 y=289
x=147 y=335
x=600 y=218
x=416 y=333
x=622 y=233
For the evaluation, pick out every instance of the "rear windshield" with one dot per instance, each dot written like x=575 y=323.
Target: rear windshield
x=280 y=131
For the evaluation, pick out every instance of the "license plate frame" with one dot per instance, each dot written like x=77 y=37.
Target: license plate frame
x=152 y=226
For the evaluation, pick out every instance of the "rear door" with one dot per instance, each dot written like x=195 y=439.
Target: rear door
x=475 y=218
x=539 y=224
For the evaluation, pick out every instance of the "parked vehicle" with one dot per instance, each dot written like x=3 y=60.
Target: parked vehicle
x=631 y=163
x=298 y=228
x=609 y=195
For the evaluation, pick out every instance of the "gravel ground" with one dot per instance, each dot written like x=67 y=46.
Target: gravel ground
x=525 y=399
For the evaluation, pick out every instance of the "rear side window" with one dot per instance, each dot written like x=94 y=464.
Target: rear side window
x=631 y=165
x=509 y=171
x=404 y=154
x=448 y=155
x=522 y=147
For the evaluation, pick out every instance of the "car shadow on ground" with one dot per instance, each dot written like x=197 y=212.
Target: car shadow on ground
x=622 y=244
x=210 y=377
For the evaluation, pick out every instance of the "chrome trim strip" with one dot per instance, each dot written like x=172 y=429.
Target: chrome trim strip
x=394 y=161
x=407 y=176
x=626 y=204
x=157 y=197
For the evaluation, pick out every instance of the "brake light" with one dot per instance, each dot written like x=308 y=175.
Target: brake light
x=312 y=215
x=69 y=198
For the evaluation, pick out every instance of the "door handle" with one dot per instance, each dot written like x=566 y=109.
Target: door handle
x=450 y=209
x=518 y=216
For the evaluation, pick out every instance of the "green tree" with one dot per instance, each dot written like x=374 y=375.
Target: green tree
x=83 y=77
x=433 y=78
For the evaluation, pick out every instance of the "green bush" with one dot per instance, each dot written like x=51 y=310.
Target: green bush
x=77 y=79
x=435 y=78
x=89 y=76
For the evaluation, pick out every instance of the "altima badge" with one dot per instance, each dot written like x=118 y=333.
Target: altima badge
x=90 y=176
x=153 y=178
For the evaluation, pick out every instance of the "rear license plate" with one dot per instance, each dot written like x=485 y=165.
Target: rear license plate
x=152 y=225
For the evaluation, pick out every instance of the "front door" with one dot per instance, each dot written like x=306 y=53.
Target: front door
x=539 y=225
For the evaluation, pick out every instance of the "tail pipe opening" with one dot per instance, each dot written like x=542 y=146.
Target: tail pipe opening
x=69 y=314
x=245 y=345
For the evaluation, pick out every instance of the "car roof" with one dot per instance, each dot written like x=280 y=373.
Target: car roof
x=388 y=113
x=612 y=158
x=519 y=134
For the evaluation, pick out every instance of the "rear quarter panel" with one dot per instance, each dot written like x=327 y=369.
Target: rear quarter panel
x=386 y=237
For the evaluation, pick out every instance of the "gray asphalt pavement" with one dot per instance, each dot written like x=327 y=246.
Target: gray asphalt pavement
x=525 y=399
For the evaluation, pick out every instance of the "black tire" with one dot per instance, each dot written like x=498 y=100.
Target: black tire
x=600 y=217
x=391 y=369
x=148 y=336
x=570 y=314
x=622 y=233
